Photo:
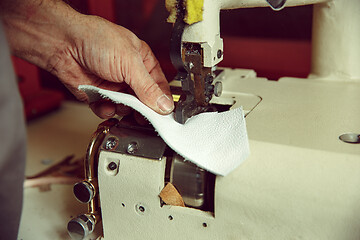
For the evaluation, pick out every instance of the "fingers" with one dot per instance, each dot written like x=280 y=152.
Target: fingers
x=150 y=93
x=150 y=85
x=153 y=67
x=122 y=110
x=104 y=108
x=107 y=64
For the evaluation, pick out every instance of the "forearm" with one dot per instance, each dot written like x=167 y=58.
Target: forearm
x=37 y=30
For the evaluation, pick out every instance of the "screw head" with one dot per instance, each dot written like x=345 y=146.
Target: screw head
x=350 y=137
x=219 y=53
x=111 y=143
x=218 y=89
x=112 y=166
x=132 y=147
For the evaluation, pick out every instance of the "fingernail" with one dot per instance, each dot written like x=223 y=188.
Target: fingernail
x=165 y=104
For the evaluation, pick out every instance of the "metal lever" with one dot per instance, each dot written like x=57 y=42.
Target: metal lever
x=86 y=191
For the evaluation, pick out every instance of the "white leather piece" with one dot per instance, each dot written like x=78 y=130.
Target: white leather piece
x=217 y=142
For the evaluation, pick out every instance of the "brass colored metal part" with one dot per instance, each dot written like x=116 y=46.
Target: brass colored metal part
x=91 y=161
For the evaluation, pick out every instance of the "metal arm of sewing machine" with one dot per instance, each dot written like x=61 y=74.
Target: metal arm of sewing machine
x=196 y=49
x=195 y=71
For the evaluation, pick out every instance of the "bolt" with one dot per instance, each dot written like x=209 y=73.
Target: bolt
x=112 y=166
x=350 y=137
x=218 y=89
x=110 y=143
x=132 y=147
x=219 y=53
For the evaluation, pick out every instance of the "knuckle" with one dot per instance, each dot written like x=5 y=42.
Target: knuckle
x=150 y=89
x=145 y=46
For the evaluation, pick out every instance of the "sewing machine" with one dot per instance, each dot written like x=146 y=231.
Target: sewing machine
x=302 y=178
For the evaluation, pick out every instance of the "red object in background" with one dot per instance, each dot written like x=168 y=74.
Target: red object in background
x=148 y=7
x=104 y=9
x=37 y=100
x=270 y=58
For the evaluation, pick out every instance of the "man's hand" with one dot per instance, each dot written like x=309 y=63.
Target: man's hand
x=81 y=49
x=107 y=56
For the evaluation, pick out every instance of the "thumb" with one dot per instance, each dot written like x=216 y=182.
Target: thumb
x=148 y=89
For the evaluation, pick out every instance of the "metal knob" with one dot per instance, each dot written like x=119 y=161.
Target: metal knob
x=84 y=191
x=81 y=226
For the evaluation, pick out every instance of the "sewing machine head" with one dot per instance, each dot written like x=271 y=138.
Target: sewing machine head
x=196 y=48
